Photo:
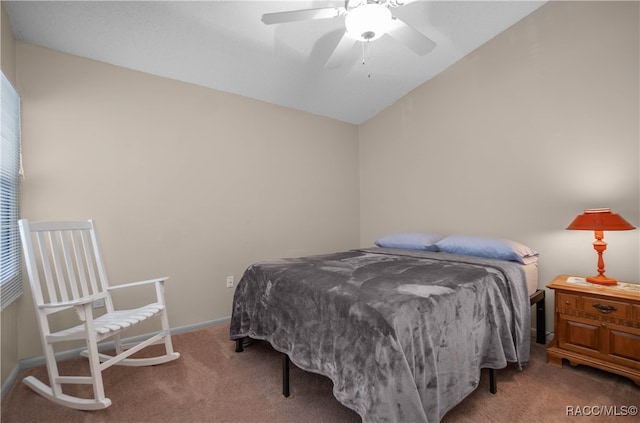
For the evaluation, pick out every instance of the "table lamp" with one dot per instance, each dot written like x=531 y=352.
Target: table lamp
x=600 y=220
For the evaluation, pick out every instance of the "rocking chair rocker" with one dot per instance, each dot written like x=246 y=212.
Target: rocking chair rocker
x=66 y=272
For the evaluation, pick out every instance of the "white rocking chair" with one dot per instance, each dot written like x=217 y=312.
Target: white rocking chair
x=66 y=272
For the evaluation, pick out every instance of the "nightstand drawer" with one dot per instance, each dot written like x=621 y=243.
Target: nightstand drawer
x=567 y=301
x=599 y=306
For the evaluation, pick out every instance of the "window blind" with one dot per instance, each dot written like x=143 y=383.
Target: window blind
x=10 y=252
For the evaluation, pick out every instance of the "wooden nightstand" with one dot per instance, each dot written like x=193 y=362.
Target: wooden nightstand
x=596 y=325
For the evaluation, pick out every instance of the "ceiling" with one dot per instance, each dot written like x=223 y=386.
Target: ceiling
x=224 y=45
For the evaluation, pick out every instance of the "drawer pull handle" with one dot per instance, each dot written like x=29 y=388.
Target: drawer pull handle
x=603 y=308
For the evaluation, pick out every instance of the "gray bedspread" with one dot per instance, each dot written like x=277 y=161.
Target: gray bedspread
x=402 y=334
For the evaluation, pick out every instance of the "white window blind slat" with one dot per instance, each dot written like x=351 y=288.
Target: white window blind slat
x=10 y=251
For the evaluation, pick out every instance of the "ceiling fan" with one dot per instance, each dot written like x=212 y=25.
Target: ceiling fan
x=365 y=21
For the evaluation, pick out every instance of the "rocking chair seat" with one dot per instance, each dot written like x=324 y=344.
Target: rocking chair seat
x=108 y=324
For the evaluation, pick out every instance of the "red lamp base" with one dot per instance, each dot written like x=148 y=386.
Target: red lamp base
x=602 y=280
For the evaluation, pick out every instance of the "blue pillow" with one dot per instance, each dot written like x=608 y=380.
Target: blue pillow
x=423 y=241
x=496 y=248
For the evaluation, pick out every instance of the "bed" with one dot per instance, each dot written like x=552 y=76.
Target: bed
x=402 y=333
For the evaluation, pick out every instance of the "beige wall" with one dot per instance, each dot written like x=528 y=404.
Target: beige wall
x=517 y=139
x=8 y=48
x=181 y=180
x=8 y=317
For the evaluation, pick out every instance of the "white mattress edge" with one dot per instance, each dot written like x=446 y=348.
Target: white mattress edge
x=531 y=276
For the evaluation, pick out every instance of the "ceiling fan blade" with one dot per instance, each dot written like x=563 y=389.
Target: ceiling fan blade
x=412 y=38
x=341 y=51
x=302 y=15
x=400 y=3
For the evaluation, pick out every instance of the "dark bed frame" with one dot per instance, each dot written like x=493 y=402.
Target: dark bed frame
x=537 y=298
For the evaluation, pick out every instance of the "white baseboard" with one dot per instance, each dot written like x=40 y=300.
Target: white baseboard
x=10 y=380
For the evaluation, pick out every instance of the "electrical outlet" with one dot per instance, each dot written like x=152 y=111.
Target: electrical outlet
x=229 y=281
x=99 y=303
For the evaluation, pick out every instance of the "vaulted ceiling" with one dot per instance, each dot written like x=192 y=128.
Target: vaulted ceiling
x=224 y=45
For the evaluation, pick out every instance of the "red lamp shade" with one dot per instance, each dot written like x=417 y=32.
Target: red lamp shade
x=599 y=220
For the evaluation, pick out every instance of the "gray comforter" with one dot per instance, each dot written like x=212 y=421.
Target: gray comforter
x=401 y=334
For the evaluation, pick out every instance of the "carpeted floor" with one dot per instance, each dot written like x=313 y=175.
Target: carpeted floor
x=212 y=383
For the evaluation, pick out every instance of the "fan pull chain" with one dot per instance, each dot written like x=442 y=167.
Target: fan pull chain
x=365 y=56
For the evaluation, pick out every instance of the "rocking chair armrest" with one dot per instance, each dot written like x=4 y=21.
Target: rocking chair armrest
x=67 y=304
x=131 y=284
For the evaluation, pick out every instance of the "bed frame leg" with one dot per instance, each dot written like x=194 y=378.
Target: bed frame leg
x=239 y=347
x=537 y=298
x=541 y=321
x=285 y=376
x=492 y=381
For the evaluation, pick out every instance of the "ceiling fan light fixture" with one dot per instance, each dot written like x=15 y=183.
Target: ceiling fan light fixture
x=368 y=22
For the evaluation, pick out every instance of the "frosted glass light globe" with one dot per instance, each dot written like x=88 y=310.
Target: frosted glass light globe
x=368 y=22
